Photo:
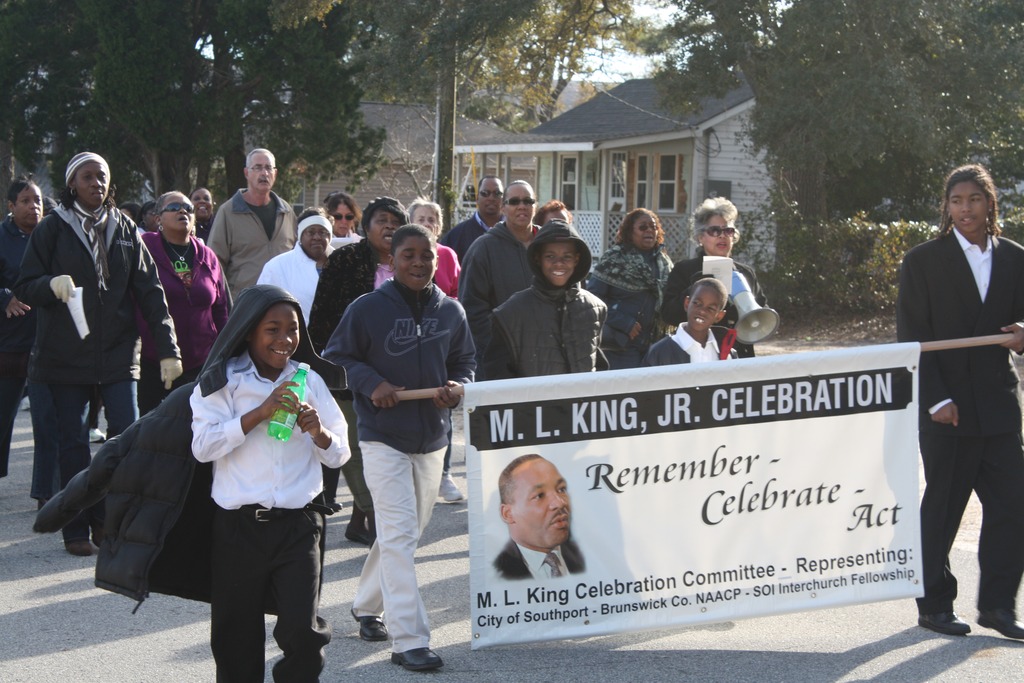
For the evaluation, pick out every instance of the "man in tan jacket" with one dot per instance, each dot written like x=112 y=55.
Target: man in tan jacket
x=254 y=226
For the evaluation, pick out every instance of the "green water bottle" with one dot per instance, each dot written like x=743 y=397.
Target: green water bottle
x=282 y=422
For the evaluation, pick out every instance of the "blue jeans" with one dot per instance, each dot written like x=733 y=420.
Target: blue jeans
x=11 y=389
x=72 y=404
x=45 y=478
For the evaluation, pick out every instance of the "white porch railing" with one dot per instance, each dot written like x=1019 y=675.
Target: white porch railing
x=676 y=227
x=590 y=224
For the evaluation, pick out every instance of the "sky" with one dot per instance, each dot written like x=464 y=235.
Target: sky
x=619 y=65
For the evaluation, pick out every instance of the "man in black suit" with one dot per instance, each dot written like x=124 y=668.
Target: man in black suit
x=968 y=282
x=535 y=506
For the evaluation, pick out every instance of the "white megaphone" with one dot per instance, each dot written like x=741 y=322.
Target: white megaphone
x=754 y=323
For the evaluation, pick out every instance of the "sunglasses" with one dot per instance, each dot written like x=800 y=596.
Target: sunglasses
x=516 y=201
x=175 y=207
x=345 y=216
x=489 y=193
x=716 y=231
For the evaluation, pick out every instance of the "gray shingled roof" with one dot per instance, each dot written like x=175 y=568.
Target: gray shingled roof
x=630 y=109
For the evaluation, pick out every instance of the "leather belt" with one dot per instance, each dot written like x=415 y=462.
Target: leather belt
x=263 y=514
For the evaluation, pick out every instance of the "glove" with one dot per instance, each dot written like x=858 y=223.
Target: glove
x=62 y=286
x=170 y=370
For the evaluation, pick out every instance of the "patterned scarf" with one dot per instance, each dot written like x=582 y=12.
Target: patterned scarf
x=94 y=225
x=626 y=268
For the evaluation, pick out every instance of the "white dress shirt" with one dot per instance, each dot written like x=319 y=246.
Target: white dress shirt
x=979 y=261
x=256 y=468
x=697 y=353
x=535 y=562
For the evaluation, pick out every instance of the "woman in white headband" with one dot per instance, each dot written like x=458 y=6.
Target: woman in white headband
x=88 y=251
x=298 y=271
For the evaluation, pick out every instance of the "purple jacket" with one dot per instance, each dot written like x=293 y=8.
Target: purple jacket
x=199 y=313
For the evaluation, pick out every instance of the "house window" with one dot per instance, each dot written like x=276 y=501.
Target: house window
x=568 y=180
x=720 y=188
x=617 y=187
x=667 y=183
x=642 y=181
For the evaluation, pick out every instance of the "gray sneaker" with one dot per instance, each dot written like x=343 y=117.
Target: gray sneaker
x=449 y=491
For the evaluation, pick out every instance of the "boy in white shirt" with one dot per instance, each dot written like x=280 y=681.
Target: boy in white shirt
x=697 y=340
x=268 y=526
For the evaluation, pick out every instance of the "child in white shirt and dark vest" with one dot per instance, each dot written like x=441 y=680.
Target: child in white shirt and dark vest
x=268 y=525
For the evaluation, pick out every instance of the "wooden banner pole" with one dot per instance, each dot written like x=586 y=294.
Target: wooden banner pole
x=942 y=345
x=413 y=394
x=965 y=342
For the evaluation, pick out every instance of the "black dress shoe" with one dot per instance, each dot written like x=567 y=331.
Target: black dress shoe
x=357 y=535
x=946 y=623
x=1002 y=620
x=371 y=629
x=420 y=659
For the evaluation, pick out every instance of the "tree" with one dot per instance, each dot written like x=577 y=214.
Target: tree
x=218 y=77
x=860 y=104
x=503 y=62
x=521 y=78
x=511 y=60
x=45 y=88
x=297 y=89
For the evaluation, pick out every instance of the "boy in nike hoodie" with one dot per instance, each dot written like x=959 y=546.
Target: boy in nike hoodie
x=404 y=335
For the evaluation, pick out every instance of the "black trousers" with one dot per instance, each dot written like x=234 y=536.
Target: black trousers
x=993 y=467
x=256 y=563
x=353 y=469
x=151 y=387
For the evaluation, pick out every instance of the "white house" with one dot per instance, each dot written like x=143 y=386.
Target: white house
x=622 y=150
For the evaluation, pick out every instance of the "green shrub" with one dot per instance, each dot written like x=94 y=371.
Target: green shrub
x=838 y=268
x=1013 y=224
x=843 y=266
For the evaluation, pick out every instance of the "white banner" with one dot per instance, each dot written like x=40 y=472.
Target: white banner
x=691 y=494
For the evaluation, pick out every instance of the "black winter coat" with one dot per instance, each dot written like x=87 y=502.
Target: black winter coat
x=349 y=274
x=547 y=330
x=110 y=353
x=158 y=504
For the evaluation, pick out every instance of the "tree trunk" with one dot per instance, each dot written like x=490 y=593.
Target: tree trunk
x=444 y=142
x=202 y=173
x=231 y=133
x=6 y=160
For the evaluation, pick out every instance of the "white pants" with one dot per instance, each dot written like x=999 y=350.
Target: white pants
x=404 y=489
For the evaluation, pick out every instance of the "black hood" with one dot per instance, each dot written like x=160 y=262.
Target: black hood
x=559 y=231
x=248 y=309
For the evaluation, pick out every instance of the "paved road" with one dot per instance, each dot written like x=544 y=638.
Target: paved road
x=56 y=626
